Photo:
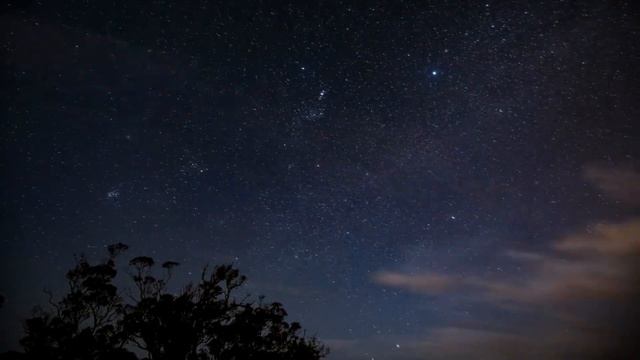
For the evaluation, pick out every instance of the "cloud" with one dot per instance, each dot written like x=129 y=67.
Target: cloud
x=622 y=183
x=596 y=264
x=423 y=283
x=454 y=342
x=605 y=240
x=584 y=295
x=466 y=343
x=583 y=292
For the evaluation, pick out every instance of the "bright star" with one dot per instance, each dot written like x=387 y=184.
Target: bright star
x=434 y=73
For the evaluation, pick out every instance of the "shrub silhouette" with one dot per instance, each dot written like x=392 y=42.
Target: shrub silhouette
x=203 y=321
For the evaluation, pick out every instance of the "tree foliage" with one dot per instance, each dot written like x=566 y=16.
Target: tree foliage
x=204 y=321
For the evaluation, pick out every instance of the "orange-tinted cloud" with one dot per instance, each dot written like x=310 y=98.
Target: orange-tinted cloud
x=591 y=265
x=605 y=240
x=597 y=268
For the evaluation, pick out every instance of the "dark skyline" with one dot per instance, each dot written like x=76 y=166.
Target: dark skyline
x=410 y=179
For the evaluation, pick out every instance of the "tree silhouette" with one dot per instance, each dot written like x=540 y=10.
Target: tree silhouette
x=204 y=321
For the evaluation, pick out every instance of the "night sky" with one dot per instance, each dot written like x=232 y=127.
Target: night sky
x=412 y=180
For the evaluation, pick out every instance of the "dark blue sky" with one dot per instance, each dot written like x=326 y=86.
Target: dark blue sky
x=409 y=178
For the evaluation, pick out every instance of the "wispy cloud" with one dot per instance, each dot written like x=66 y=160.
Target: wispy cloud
x=429 y=283
x=585 y=266
x=619 y=183
x=583 y=291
